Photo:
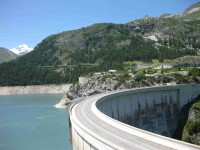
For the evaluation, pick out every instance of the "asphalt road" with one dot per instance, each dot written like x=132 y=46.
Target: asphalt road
x=116 y=134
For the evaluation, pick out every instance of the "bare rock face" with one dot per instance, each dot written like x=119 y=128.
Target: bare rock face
x=106 y=82
x=93 y=86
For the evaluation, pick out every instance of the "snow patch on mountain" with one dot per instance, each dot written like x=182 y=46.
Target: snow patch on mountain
x=194 y=10
x=21 y=49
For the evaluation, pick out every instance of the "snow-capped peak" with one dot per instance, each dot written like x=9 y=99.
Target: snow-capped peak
x=21 y=49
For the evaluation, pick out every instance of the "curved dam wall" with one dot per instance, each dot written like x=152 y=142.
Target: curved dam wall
x=157 y=110
x=114 y=120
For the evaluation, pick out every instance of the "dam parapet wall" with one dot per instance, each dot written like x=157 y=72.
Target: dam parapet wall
x=129 y=119
x=157 y=110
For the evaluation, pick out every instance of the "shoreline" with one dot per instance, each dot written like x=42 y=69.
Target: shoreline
x=34 y=89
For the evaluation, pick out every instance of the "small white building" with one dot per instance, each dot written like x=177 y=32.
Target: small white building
x=97 y=73
x=163 y=66
x=112 y=71
x=83 y=80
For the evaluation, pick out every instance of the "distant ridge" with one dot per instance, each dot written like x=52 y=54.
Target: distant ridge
x=192 y=9
x=6 y=55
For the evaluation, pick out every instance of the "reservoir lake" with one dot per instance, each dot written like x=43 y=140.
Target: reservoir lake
x=31 y=122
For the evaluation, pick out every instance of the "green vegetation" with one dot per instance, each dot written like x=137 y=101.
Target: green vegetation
x=27 y=74
x=196 y=105
x=63 y=57
x=194 y=72
x=140 y=76
x=122 y=78
x=104 y=77
x=193 y=127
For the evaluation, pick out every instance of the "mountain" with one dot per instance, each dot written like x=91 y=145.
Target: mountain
x=193 y=10
x=170 y=29
x=21 y=49
x=6 y=55
x=65 y=56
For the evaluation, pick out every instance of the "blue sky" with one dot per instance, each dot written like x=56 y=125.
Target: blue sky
x=30 y=21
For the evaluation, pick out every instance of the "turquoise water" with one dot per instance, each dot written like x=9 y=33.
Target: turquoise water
x=30 y=122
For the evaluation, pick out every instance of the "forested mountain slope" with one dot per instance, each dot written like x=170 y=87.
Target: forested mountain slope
x=6 y=55
x=65 y=56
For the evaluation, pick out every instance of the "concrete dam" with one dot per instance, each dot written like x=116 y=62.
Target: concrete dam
x=143 y=118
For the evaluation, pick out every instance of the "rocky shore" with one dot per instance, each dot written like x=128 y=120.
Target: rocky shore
x=111 y=81
x=8 y=90
x=64 y=103
x=102 y=83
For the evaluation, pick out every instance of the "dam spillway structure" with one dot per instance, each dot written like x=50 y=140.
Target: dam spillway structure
x=143 y=118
